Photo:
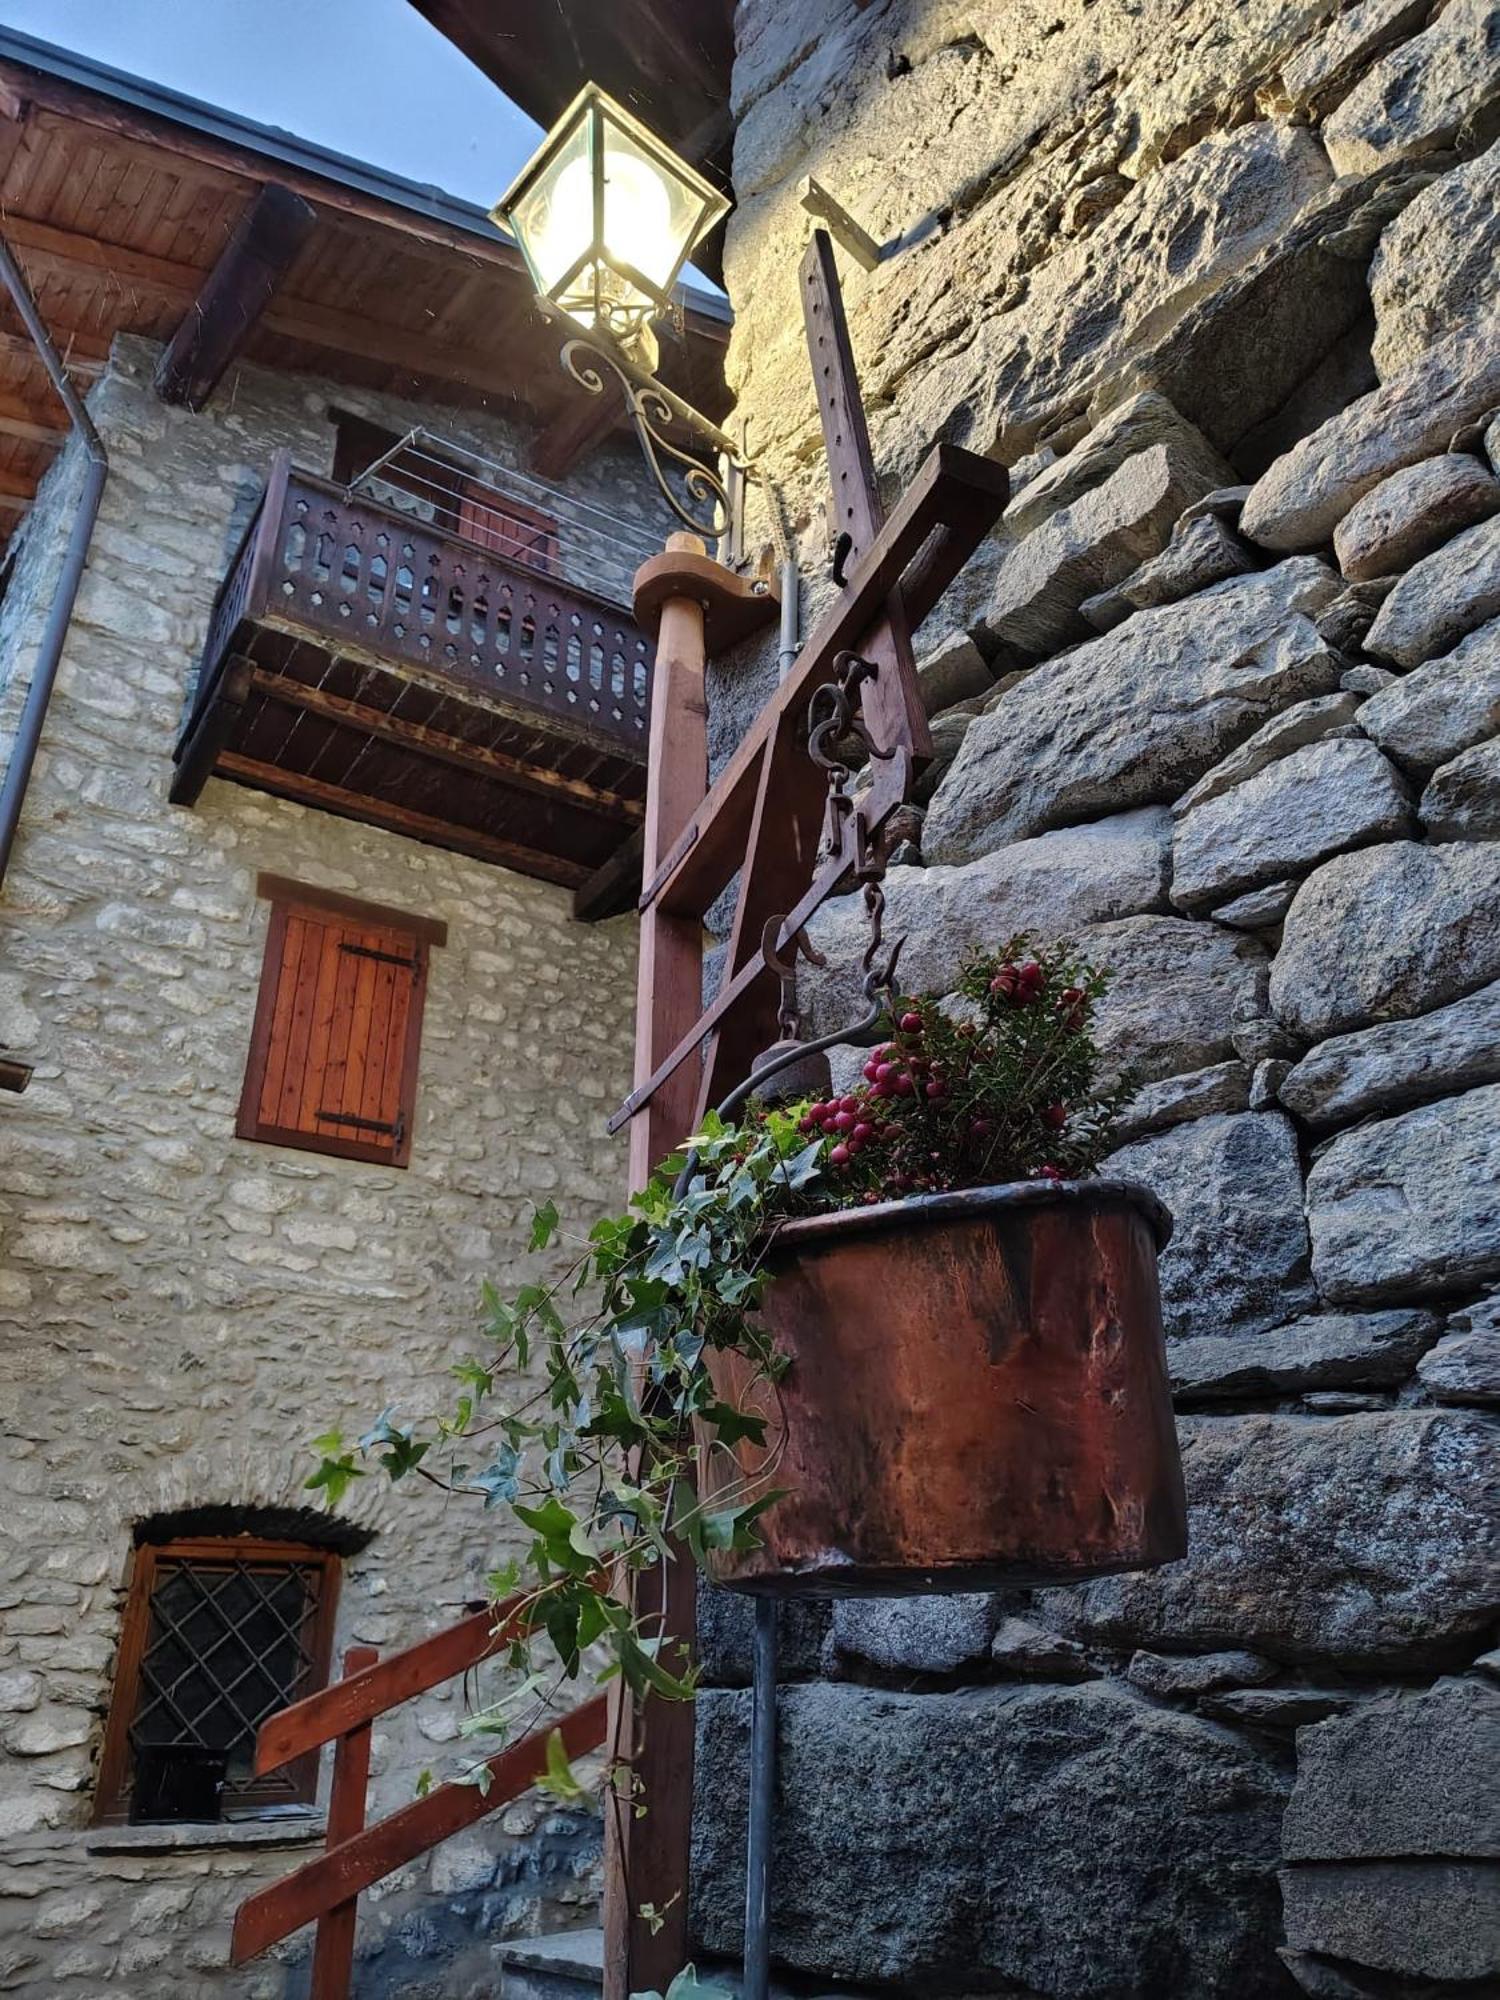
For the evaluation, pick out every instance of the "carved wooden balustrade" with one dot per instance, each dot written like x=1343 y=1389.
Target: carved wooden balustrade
x=364 y=660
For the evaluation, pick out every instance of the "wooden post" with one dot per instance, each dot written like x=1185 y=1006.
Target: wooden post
x=646 y=1858
x=333 y=1954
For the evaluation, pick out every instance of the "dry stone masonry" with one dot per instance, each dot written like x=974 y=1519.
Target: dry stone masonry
x=1222 y=287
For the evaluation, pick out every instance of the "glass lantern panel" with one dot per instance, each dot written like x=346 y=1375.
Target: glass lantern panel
x=554 y=218
x=649 y=213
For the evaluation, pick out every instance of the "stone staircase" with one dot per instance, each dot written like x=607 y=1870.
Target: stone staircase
x=569 y=1966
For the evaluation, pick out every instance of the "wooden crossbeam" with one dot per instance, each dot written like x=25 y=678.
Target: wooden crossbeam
x=953 y=502
x=512 y=771
x=614 y=885
x=236 y=292
x=583 y=423
x=333 y=1953
x=400 y=819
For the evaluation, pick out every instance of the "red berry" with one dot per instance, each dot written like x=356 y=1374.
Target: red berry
x=848 y=1104
x=842 y=1121
x=937 y=1089
x=1051 y=1173
x=1003 y=985
x=870 y=1071
x=840 y=1156
x=885 y=1088
x=862 y=1131
x=981 y=1128
x=1070 y=996
x=1055 y=1116
x=883 y=1071
x=911 y=1024
x=807 y=1123
x=902 y=1085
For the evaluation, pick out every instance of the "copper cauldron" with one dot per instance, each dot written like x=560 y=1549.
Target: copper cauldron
x=977 y=1396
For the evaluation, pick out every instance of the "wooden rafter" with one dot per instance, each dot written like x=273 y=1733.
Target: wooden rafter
x=235 y=294
x=19 y=419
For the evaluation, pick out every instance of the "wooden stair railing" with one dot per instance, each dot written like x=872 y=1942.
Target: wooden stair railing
x=326 y=1891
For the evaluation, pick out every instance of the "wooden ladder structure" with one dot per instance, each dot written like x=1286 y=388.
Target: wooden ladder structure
x=326 y=1891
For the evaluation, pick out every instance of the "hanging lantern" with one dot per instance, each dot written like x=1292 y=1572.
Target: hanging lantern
x=606 y=217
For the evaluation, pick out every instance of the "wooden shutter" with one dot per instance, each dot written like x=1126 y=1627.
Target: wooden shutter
x=333 y=1056
x=514 y=531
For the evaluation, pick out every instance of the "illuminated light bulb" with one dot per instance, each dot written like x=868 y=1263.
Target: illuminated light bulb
x=637 y=218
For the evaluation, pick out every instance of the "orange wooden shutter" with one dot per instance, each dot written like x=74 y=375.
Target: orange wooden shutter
x=510 y=529
x=334 y=1054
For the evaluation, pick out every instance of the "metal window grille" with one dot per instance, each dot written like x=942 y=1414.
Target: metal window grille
x=218 y=1637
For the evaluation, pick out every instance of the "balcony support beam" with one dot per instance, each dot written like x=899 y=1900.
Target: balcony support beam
x=265 y=244
x=400 y=819
x=446 y=749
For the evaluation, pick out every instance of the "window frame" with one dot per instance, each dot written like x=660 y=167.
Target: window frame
x=114 y=1779
x=290 y=899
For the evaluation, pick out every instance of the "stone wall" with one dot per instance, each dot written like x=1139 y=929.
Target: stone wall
x=1220 y=700
x=183 y=1309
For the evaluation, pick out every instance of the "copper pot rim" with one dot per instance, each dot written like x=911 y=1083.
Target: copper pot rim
x=966 y=1204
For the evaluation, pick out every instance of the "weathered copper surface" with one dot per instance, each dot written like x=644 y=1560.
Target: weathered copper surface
x=977 y=1396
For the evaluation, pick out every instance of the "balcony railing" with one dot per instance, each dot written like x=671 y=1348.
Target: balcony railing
x=368 y=578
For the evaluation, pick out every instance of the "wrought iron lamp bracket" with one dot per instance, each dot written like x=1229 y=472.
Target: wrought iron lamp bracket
x=710 y=503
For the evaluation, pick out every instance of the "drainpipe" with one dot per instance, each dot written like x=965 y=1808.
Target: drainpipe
x=49 y=650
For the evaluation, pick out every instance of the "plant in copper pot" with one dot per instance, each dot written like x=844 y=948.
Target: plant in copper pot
x=894 y=1339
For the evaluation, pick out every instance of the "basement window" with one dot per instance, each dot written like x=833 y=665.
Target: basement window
x=338 y=1026
x=218 y=1635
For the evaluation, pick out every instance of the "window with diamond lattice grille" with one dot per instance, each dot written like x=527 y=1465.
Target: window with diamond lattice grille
x=217 y=1636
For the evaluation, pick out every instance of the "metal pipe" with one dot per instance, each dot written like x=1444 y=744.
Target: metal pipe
x=789 y=642
x=60 y=612
x=757 y=1975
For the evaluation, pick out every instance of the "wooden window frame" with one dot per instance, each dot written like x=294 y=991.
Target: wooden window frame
x=289 y=899
x=113 y=1784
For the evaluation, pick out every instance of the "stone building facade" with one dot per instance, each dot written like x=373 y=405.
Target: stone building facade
x=1219 y=700
x=183 y=1309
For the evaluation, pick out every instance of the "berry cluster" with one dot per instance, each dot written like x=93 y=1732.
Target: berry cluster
x=996 y=1083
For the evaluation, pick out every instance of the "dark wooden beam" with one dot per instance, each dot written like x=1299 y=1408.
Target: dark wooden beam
x=418 y=736
x=262 y=249
x=219 y=709
x=23 y=420
x=572 y=434
x=400 y=819
x=613 y=887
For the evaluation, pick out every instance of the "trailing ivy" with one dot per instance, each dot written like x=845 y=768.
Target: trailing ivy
x=601 y=1460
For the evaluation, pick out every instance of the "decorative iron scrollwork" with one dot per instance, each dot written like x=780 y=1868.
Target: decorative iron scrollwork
x=651 y=409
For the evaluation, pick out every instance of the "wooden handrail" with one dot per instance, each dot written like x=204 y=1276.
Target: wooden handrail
x=344 y=1870
x=337 y=1708
x=325 y=1891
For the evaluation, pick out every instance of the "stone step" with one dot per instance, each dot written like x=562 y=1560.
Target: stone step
x=569 y=1965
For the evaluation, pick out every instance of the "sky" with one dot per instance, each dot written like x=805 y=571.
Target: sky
x=368 y=78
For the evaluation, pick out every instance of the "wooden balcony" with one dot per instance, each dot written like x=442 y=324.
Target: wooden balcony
x=371 y=664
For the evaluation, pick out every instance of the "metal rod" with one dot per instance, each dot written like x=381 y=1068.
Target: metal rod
x=60 y=612
x=757 y=1974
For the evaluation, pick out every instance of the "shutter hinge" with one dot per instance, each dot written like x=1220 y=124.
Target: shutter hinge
x=385 y=958
x=397 y=1131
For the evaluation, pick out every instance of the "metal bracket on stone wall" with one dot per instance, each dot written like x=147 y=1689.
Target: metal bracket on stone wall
x=845 y=231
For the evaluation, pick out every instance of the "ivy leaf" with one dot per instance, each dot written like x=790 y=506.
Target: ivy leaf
x=558 y=1779
x=543 y=1225
x=501 y=1478
x=334 y=1476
